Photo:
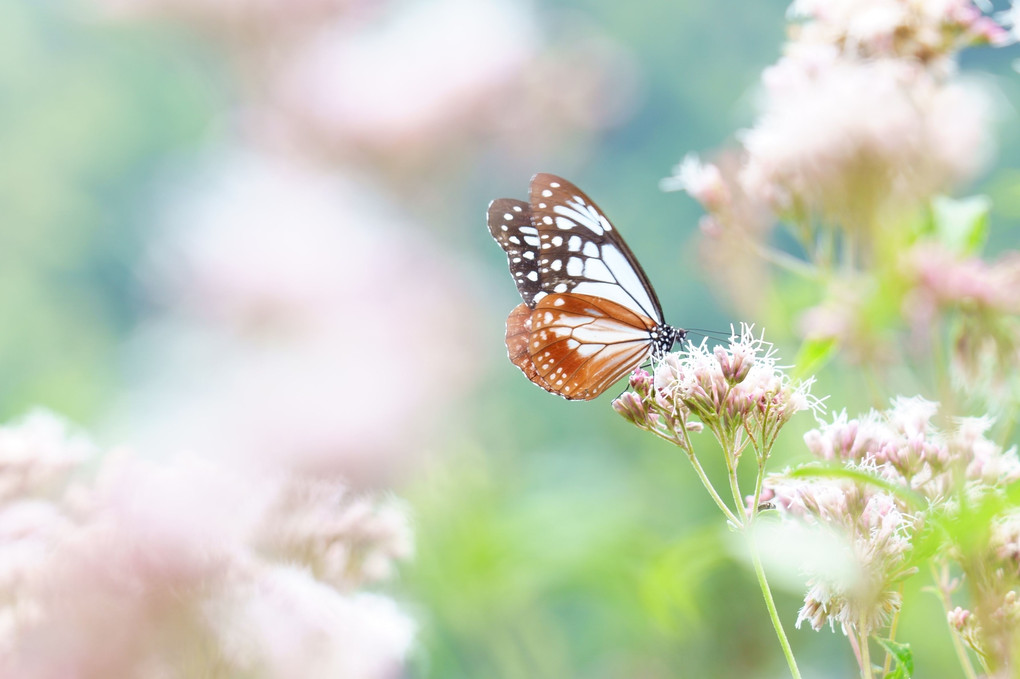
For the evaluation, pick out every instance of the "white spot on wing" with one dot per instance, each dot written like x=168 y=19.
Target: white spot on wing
x=533 y=276
x=597 y=271
x=591 y=250
x=574 y=244
x=629 y=279
x=585 y=217
x=575 y=266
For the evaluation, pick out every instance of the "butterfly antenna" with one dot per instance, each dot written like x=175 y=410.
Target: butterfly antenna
x=716 y=335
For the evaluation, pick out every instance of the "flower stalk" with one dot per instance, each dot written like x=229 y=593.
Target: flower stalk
x=740 y=395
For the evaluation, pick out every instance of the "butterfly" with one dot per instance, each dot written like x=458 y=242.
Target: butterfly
x=589 y=315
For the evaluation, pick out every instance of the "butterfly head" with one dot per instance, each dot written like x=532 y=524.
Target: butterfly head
x=663 y=339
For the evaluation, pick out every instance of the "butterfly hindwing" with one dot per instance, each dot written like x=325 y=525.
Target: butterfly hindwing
x=518 y=341
x=580 y=345
x=581 y=251
x=510 y=224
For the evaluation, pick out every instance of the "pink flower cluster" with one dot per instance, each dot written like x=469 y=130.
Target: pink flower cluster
x=871 y=532
x=899 y=446
x=922 y=30
x=189 y=569
x=729 y=389
x=943 y=280
x=849 y=139
x=903 y=446
x=861 y=120
x=989 y=623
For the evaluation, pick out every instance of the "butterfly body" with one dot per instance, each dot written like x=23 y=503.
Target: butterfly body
x=589 y=315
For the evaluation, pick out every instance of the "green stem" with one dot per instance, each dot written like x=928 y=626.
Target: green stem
x=689 y=449
x=961 y=652
x=893 y=628
x=766 y=592
x=866 y=671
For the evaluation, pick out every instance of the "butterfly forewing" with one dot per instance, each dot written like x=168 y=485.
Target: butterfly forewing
x=581 y=251
x=510 y=224
x=580 y=345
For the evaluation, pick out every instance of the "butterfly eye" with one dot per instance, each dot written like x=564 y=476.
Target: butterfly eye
x=589 y=315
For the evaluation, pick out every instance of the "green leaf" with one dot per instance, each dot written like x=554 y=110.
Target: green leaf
x=812 y=357
x=961 y=224
x=903 y=657
x=835 y=472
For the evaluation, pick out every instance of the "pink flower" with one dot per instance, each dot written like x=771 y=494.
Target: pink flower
x=872 y=534
x=902 y=445
x=925 y=31
x=728 y=388
x=946 y=280
x=702 y=181
x=159 y=568
x=846 y=139
x=284 y=623
x=37 y=452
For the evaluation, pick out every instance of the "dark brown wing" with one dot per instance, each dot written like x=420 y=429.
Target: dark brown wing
x=510 y=224
x=581 y=252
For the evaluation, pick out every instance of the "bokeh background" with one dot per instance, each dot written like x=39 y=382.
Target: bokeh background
x=257 y=229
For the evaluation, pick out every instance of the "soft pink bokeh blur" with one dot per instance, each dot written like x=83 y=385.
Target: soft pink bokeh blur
x=173 y=569
x=309 y=325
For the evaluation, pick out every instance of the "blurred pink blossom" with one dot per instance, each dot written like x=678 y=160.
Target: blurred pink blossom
x=847 y=139
x=902 y=445
x=247 y=21
x=983 y=298
x=925 y=30
x=283 y=623
x=310 y=326
x=479 y=70
x=856 y=587
x=703 y=181
x=165 y=569
x=37 y=452
x=943 y=279
x=427 y=68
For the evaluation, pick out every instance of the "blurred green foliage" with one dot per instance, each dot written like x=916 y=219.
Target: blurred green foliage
x=554 y=540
